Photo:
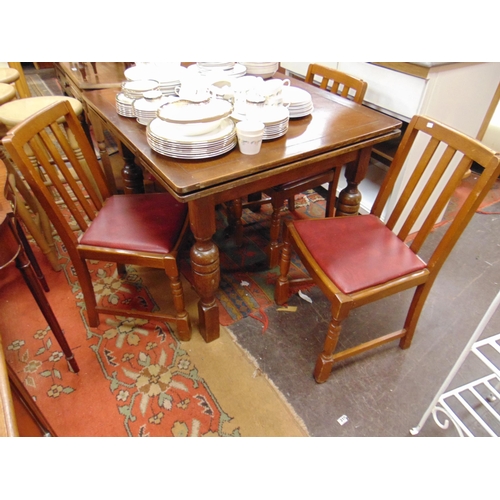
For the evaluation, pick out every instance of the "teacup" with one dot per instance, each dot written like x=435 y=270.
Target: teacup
x=239 y=87
x=271 y=90
x=254 y=104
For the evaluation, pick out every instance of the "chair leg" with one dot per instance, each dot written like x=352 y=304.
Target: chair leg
x=85 y=281
x=39 y=238
x=31 y=256
x=291 y=203
x=332 y=194
x=30 y=278
x=121 y=269
x=416 y=306
x=325 y=360
x=182 y=317
x=257 y=197
x=235 y=213
x=273 y=249
x=282 y=287
x=26 y=399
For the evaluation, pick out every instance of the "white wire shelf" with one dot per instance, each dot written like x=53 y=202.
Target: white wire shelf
x=473 y=408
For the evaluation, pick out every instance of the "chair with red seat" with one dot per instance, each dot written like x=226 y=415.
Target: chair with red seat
x=361 y=259
x=144 y=230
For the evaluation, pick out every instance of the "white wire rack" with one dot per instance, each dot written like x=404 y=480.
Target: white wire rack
x=473 y=408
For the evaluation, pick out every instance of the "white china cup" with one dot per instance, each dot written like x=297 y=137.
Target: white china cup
x=239 y=87
x=250 y=134
x=272 y=89
x=253 y=106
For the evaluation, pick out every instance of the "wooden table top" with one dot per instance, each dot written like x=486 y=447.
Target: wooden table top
x=109 y=75
x=335 y=125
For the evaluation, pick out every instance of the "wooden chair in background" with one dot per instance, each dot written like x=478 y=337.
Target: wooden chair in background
x=144 y=230
x=339 y=83
x=361 y=259
x=28 y=209
x=342 y=84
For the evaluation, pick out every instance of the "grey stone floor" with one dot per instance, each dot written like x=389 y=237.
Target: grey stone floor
x=383 y=392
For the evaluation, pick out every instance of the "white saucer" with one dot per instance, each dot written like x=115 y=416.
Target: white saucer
x=295 y=95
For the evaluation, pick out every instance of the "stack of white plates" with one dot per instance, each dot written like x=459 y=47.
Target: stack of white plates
x=124 y=105
x=262 y=69
x=275 y=130
x=299 y=100
x=165 y=138
x=146 y=107
x=167 y=76
x=275 y=119
x=210 y=66
x=221 y=72
x=135 y=89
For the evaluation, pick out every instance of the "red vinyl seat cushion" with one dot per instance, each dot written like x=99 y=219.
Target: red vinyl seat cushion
x=140 y=222
x=357 y=252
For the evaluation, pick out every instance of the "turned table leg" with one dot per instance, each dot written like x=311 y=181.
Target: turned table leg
x=205 y=265
x=350 y=198
x=133 y=179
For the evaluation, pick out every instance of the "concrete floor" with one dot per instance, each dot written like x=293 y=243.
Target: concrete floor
x=383 y=392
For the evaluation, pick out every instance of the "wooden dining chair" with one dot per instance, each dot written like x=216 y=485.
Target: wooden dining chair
x=339 y=83
x=360 y=259
x=29 y=210
x=342 y=84
x=144 y=230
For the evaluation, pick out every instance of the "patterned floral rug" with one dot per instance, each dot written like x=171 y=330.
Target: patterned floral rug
x=136 y=378
x=132 y=366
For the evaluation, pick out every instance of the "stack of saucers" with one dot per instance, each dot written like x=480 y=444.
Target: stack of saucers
x=165 y=138
x=275 y=119
x=124 y=105
x=135 y=89
x=299 y=101
x=262 y=69
x=276 y=123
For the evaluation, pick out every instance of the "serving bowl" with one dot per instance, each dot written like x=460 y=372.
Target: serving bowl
x=262 y=69
x=195 y=118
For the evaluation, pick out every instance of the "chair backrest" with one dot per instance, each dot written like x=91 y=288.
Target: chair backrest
x=444 y=156
x=59 y=164
x=340 y=83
